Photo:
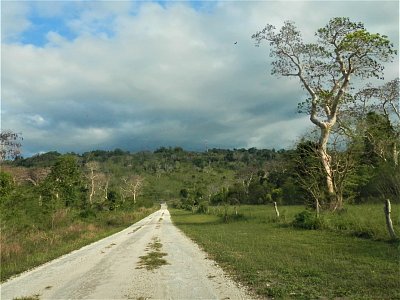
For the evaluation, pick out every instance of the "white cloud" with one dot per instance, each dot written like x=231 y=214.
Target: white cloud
x=14 y=19
x=36 y=120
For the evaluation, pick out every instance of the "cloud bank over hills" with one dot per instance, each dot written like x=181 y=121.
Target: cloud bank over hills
x=78 y=76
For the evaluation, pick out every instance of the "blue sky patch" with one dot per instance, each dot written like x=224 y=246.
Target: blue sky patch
x=37 y=33
x=42 y=24
x=201 y=6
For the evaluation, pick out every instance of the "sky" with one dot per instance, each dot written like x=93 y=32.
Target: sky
x=84 y=75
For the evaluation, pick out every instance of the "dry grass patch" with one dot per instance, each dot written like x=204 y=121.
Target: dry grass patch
x=9 y=250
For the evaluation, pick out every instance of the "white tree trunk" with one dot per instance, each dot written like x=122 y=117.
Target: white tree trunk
x=276 y=209
x=106 y=191
x=389 y=223
x=395 y=154
x=317 y=207
x=93 y=168
x=326 y=159
x=91 y=190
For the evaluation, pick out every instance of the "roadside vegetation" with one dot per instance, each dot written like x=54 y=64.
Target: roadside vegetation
x=51 y=209
x=29 y=245
x=349 y=256
x=54 y=203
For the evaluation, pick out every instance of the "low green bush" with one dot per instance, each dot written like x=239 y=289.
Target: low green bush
x=307 y=220
x=203 y=207
x=87 y=213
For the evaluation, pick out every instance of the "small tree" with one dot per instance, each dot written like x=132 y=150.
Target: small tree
x=64 y=181
x=344 y=50
x=6 y=184
x=375 y=114
x=307 y=170
x=381 y=102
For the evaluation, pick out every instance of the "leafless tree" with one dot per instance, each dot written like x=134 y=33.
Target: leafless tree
x=92 y=173
x=132 y=187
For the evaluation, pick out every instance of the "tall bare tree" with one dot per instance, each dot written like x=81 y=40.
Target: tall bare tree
x=137 y=183
x=132 y=187
x=92 y=172
x=344 y=50
x=104 y=181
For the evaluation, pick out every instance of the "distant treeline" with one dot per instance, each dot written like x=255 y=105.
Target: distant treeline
x=247 y=156
x=218 y=176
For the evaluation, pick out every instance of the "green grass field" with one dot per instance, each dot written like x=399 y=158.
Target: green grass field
x=350 y=257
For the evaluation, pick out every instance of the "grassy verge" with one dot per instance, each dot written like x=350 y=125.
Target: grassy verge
x=277 y=260
x=28 y=247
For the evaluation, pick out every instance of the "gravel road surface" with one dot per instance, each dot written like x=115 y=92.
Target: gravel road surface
x=111 y=269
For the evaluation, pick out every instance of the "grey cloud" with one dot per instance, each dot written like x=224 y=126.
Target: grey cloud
x=168 y=76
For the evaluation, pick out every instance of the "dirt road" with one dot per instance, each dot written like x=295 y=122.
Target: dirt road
x=114 y=268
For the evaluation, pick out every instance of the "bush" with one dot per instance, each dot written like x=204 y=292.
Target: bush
x=113 y=220
x=6 y=184
x=176 y=204
x=307 y=220
x=143 y=202
x=203 y=207
x=87 y=213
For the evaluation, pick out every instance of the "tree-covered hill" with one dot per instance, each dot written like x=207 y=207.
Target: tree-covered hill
x=105 y=180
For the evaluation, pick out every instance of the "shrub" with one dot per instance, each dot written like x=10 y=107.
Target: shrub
x=143 y=202
x=6 y=184
x=87 y=213
x=113 y=221
x=307 y=220
x=203 y=207
x=176 y=204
